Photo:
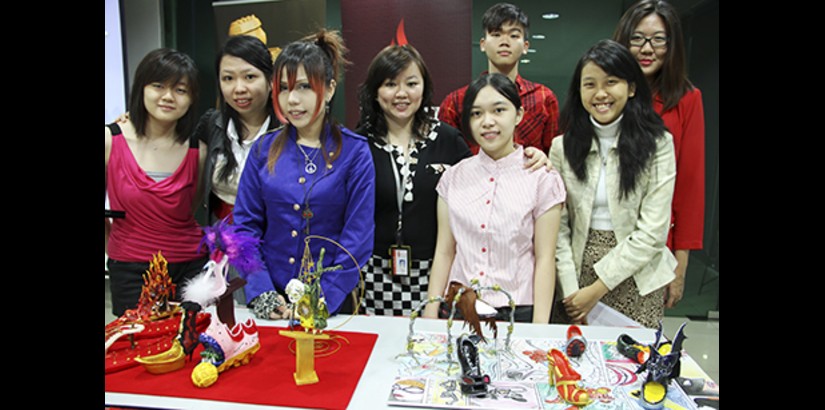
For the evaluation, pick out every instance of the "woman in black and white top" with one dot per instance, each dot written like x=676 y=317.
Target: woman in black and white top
x=410 y=151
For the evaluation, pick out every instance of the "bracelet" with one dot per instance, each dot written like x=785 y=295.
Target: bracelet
x=266 y=303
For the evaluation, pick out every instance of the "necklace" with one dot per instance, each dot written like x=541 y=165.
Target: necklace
x=309 y=166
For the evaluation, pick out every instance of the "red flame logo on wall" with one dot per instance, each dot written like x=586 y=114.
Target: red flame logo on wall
x=400 y=37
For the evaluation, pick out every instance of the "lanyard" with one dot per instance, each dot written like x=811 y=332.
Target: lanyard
x=399 y=190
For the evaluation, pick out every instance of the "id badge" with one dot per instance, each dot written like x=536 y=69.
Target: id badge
x=400 y=257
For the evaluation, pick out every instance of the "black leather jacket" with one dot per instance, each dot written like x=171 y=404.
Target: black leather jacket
x=211 y=130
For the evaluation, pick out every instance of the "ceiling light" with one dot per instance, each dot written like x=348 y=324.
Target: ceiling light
x=550 y=16
x=538 y=36
x=531 y=50
x=525 y=61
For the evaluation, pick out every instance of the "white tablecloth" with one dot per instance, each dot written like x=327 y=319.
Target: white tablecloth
x=376 y=381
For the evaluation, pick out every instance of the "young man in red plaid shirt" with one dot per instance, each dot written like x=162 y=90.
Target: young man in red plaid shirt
x=505 y=42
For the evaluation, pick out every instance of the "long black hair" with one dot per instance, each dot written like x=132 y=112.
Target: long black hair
x=671 y=82
x=254 y=52
x=387 y=64
x=640 y=125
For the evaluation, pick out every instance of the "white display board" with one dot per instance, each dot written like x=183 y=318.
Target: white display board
x=115 y=75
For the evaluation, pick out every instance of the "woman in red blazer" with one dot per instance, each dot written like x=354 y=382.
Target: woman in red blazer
x=651 y=30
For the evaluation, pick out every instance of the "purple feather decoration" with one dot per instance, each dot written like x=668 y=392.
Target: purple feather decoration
x=239 y=246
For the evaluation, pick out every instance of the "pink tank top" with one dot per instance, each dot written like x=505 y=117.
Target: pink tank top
x=158 y=214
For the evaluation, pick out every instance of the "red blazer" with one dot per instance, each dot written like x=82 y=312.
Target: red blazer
x=686 y=121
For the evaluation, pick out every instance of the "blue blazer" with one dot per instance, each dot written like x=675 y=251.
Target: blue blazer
x=341 y=199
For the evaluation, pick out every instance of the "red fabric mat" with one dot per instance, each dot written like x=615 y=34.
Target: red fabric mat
x=267 y=379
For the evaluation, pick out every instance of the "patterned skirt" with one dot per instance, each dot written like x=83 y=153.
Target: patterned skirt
x=648 y=310
x=386 y=294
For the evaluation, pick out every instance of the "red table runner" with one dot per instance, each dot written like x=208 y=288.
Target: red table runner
x=267 y=379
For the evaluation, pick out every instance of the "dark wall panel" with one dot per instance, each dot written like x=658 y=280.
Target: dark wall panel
x=439 y=30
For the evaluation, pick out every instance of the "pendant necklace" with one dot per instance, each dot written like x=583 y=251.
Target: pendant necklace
x=310 y=166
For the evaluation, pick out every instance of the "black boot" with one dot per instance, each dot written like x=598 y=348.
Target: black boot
x=663 y=365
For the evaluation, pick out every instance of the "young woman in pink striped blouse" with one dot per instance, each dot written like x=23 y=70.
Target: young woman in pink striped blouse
x=497 y=222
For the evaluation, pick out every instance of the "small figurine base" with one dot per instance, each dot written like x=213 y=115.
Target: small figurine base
x=304 y=355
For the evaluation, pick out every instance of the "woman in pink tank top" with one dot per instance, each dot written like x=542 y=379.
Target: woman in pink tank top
x=152 y=171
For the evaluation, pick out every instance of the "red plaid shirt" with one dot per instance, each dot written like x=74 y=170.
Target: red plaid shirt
x=541 y=115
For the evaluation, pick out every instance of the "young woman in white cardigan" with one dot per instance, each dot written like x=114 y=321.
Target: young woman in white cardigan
x=618 y=165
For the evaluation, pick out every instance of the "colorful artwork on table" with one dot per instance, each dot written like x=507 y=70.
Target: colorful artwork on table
x=427 y=378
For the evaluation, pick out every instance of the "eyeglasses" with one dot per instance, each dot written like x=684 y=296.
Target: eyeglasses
x=637 y=40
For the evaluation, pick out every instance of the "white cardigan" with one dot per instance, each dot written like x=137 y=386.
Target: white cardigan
x=640 y=221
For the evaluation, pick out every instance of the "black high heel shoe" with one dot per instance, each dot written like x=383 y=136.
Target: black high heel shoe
x=663 y=365
x=472 y=382
x=632 y=349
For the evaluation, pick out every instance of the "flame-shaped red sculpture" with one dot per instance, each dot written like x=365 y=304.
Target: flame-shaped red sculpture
x=400 y=37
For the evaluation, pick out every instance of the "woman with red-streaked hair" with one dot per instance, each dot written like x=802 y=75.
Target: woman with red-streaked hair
x=309 y=177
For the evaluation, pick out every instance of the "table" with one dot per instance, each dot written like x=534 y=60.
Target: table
x=380 y=371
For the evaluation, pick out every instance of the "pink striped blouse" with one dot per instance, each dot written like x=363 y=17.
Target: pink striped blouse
x=493 y=206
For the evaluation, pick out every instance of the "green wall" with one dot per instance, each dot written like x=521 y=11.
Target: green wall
x=701 y=25
x=580 y=25
x=189 y=26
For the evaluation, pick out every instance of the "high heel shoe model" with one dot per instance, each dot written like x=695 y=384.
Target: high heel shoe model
x=632 y=349
x=565 y=378
x=224 y=348
x=472 y=382
x=662 y=366
x=576 y=343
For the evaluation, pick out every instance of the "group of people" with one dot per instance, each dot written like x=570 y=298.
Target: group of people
x=560 y=209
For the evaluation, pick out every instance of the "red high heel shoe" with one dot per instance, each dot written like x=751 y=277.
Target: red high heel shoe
x=564 y=378
x=575 y=342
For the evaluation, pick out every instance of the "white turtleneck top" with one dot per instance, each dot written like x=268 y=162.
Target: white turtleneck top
x=608 y=136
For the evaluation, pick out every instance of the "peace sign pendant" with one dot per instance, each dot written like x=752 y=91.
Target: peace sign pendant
x=310 y=168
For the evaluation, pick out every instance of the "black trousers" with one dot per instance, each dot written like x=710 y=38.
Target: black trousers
x=126 y=280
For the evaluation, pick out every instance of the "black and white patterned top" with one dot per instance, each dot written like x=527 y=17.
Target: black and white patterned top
x=384 y=293
x=405 y=169
x=443 y=147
